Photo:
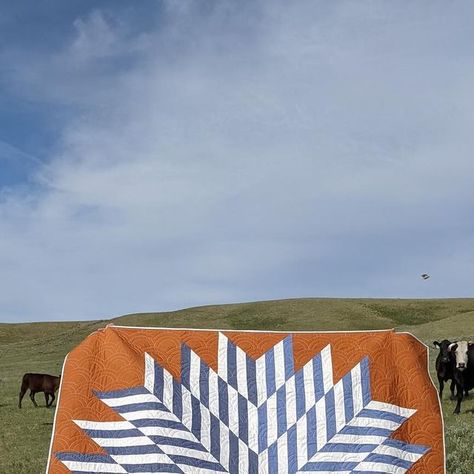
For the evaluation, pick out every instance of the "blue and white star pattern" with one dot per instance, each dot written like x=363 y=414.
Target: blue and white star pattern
x=251 y=416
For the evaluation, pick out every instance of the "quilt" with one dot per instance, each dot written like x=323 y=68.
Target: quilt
x=150 y=400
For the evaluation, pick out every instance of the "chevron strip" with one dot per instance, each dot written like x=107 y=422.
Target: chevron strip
x=164 y=429
x=90 y=463
x=234 y=435
x=332 y=411
x=273 y=369
x=392 y=456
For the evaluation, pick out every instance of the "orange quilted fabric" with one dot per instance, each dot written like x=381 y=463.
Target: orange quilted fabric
x=113 y=359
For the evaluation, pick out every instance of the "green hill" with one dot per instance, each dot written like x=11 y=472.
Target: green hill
x=41 y=347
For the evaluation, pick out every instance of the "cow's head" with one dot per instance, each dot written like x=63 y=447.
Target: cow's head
x=460 y=350
x=446 y=355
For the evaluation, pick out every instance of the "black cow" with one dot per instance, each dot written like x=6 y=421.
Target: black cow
x=463 y=370
x=445 y=367
x=39 y=383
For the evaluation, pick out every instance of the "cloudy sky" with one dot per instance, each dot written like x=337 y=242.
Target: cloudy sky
x=158 y=155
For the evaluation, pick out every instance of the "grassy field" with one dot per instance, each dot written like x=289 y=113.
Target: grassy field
x=41 y=347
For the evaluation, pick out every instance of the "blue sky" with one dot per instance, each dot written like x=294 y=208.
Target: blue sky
x=157 y=155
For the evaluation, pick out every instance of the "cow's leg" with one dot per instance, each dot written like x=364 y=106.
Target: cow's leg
x=441 y=386
x=52 y=399
x=46 y=397
x=453 y=385
x=459 y=390
x=32 y=396
x=22 y=394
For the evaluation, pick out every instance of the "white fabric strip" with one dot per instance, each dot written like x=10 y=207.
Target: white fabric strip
x=327 y=368
x=338 y=457
x=170 y=449
x=213 y=389
x=279 y=356
x=321 y=431
x=301 y=434
x=401 y=411
x=290 y=402
x=242 y=372
x=224 y=446
x=309 y=385
x=378 y=467
x=168 y=390
x=233 y=409
x=128 y=400
x=399 y=453
x=263 y=462
x=222 y=356
x=357 y=439
x=77 y=466
x=282 y=453
x=104 y=425
x=260 y=370
x=243 y=457
x=193 y=470
x=374 y=423
x=148 y=414
x=161 y=472
x=357 y=398
x=142 y=458
x=121 y=442
x=339 y=406
x=186 y=400
x=149 y=382
x=168 y=432
x=272 y=419
x=205 y=427
x=194 y=374
x=326 y=472
x=253 y=426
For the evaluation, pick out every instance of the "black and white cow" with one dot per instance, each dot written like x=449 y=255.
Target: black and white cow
x=445 y=367
x=463 y=369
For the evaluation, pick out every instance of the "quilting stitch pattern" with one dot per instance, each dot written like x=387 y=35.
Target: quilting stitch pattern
x=252 y=416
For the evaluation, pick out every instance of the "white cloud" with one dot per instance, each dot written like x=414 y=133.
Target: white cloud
x=247 y=151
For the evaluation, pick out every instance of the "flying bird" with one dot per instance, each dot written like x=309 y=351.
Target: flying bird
x=425 y=276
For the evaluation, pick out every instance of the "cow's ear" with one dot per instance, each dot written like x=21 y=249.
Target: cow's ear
x=436 y=344
x=470 y=344
x=452 y=347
